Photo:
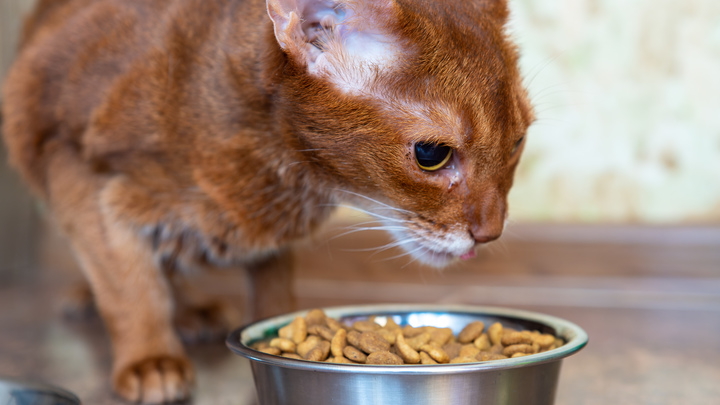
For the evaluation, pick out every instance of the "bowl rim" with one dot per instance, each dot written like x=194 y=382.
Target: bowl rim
x=576 y=338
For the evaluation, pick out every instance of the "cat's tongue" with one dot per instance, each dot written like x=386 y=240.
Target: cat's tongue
x=468 y=255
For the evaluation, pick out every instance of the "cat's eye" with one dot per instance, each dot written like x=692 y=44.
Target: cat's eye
x=517 y=145
x=432 y=156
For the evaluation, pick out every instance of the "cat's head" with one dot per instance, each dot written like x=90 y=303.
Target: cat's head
x=414 y=110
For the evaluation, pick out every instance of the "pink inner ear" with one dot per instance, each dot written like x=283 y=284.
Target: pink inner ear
x=346 y=41
x=313 y=15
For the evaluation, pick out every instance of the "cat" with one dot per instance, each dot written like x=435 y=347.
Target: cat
x=165 y=136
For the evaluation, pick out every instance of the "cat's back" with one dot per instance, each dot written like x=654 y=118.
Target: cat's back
x=107 y=76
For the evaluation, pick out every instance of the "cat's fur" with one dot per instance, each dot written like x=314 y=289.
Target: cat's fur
x=166 y=135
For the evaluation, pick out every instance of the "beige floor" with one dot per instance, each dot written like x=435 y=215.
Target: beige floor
x=648 y=297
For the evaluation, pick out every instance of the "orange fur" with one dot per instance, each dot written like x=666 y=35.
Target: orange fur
x=166 y=135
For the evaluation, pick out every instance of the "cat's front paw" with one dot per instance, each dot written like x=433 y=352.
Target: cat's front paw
x=155 y=381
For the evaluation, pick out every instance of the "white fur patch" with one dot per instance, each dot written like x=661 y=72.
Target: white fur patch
x=354 y=55
x=432 y=248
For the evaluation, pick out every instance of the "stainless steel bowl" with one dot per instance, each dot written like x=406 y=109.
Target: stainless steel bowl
x=522 y=381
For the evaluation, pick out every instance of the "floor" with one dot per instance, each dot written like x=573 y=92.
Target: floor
x=649 y=299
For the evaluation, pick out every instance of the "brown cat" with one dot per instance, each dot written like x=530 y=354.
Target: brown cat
x=167 y=135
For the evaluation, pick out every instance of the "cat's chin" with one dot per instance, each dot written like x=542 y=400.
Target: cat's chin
x=437 y=251
x=435 y=258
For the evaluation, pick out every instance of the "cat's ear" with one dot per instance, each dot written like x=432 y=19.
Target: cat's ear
x=318 y=33
x=286 y=16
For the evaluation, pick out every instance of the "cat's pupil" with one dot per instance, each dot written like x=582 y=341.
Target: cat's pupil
x=430 y=156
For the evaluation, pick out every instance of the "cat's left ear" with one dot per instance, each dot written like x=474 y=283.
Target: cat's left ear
x=319 y=33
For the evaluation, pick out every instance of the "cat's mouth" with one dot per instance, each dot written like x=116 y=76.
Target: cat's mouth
x=439 y=258
x=436 y=253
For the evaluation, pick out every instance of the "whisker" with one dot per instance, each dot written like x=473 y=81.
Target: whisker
x=377 y=249
x=356 y=230
x=403 y=254
x=372 y=214
x=414 y=259
x=542 y=67
x=375 y=201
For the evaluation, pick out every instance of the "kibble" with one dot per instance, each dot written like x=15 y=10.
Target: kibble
x=317 y=337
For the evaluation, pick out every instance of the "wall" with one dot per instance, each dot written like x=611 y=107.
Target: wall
x=627 y=97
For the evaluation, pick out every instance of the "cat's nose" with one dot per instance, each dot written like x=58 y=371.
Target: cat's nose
x=487 y=231
x=485 y=235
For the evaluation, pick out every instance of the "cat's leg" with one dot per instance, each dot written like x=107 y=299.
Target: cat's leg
x=202 y=313
x=271 y=285
x=132 y=295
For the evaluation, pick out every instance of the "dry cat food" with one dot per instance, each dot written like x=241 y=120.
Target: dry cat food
x=317 y=337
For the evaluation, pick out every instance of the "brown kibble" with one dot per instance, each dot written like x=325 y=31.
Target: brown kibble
x=544 y=340
x=319 y=352
x=482 y=342
x=339 y=360
x=326 y=339
x=315 y=317
x=309 y=344
x=383 y=358
x=496 y=349
x=333 y=324
x=286 y=331
x=322 y=331
x=387 y=334
x=487 y=356
x=472 y=331
x=338 y=343
x=418 y=341
x=436 y=353
x=284 y=344
x=452 y=349
x=495 y=332
x=295 y=330
x=353 y=337
x=315 y=354
x=371 y=342
x=469 y=350
x=325 y=346
x=391 y=325
x=354 y=354
x=426 y=359
x=521 y=348
x=407 y=353
x=516 y=338
x=439 y=335
x=365 y=326
x=409 y=331
x=271 y=350
x=462 y=359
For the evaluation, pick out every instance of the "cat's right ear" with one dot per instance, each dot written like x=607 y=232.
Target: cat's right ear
x=324 y=34
x=285 y=15
x=348 y=42
x=297 y=21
